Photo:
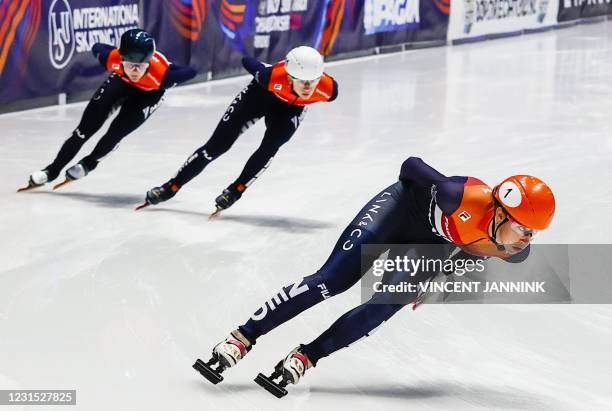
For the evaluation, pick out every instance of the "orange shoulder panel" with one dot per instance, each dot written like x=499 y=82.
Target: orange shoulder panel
x=152 y=80
x=281 y=87
x=470 y=222
x=113 y=62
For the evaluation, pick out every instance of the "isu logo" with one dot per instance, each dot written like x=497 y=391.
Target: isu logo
x=61 y=34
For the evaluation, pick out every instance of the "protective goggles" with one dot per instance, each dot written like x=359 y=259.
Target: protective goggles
x=521 y=229
x=305 y=82
x=130 y=66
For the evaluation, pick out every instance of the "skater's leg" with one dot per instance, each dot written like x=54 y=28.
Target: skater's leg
x=357 y=323
x=111 y=93
x=341 y=271
x=134 y=112
x=279 y=129
x=338 y=274
x=352 y=326
x=361 y=321
x=243 y=112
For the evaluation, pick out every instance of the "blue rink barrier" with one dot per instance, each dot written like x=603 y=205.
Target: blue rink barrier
x=47 y=48
x=45 y=55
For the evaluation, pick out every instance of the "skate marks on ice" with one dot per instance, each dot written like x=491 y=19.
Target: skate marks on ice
x=479 y=396
x=287 y=224
x=240 y=392
x=435 y=394
x=102 y=200
x=247 y=396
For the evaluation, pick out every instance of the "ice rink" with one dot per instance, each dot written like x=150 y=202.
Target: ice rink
x=118 y=304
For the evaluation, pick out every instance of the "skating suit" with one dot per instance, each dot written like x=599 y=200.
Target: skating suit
x=423 y=207
x=136 y=100
x=270 y=96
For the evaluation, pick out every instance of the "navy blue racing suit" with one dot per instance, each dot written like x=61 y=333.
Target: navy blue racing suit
x=399 y=214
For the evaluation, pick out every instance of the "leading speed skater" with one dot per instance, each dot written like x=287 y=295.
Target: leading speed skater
x=462 y=215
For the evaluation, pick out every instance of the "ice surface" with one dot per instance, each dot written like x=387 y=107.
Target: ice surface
x=117 y=304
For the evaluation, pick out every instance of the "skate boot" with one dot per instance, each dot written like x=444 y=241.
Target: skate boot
x=160 y=194
x=37 y=179
x=228 y=197
x=290 y=370
x=227 y=354
x=75 y=172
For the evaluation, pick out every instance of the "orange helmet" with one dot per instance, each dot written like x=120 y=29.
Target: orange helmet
x=528 y=200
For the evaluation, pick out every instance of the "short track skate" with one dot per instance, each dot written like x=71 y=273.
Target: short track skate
x=143 y=205
x=68 y=180
x=215 y=214
x=275 y=388
x=37 y=179
x=206 y=369
x=30 y=186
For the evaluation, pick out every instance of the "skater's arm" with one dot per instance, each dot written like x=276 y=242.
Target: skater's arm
x=449 y=190
x=415 y=170
x=177 y=75
x=259 y=70
x=101 y=52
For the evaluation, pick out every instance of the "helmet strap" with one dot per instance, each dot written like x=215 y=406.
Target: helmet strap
x=495 y=228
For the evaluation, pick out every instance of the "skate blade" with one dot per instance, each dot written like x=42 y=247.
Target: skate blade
x=207 y=372
x=270 y=386
x=27 y=188
x=63 y=183
x=215 y=213
x=140 y=207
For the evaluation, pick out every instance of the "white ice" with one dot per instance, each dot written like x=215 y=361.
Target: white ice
x=117 y=304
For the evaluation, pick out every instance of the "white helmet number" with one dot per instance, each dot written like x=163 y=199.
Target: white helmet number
x=510 y=194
